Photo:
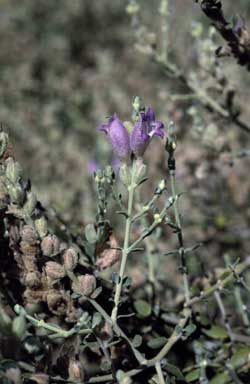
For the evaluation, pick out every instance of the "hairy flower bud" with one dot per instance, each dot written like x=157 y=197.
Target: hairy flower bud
x=30 y=203
x=50 y=245
x=118 y=136
x=13 y=170
x=84 y=285
x=70 y=259
x=54 y=270
x=41 y=226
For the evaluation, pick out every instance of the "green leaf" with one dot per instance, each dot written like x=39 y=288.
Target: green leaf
x=221 y=378
x=216 y=332
x=240 y=357
x=142 y=308
x=96 y=293
x=96 y=320
x=137 y=340
x=174 y=370
x=191 y=328
x=156 y=343
x=90 y=233
x=193 y=375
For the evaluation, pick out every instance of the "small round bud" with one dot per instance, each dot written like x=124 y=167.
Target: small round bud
x=84 y=285
x=70 y=259
x=50 y=245
x=54 y=270
x=157 y=218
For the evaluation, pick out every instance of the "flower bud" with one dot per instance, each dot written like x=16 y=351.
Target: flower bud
x=75 y=370
x=13 y=170
x=125 y=174
x=84 y=285
x=50 y=245
x=30 y=203
x=16 y=194
x=70 y=259
x=140 y=171
x=54 y=270
x=41 y=226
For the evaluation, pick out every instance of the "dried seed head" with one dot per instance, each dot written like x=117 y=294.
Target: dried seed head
x=84 y=285
x=32 y=280
x=54 y=270
x=75 y=370
x=109 y=256
x=58 y=303
x=50 y=245
x=29 y=234
x=70 y=259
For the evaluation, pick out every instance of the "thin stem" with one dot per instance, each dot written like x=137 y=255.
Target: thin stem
x=125 y=251
x=159 y=373
x=233 y=275
x=164 y=29
x=224 y=315
x=180 y=237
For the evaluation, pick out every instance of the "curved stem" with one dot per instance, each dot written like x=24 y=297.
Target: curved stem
x=159 y=373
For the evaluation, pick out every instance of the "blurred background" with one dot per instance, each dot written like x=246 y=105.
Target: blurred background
x=67 y=65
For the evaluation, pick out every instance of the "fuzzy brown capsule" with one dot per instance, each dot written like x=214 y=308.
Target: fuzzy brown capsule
x=84 y=285
x=54 y=270
x=50 y=245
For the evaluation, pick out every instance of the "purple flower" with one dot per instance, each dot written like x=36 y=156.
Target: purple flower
x=118 y=137
x=144 y=130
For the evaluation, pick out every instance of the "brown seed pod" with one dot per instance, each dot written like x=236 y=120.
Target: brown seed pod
x=70 y=259
x=29 y=234
x=84 y=285
x=50 y=245
x=54 y=270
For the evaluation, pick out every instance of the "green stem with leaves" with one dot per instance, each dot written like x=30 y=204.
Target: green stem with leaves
x=180 y=236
